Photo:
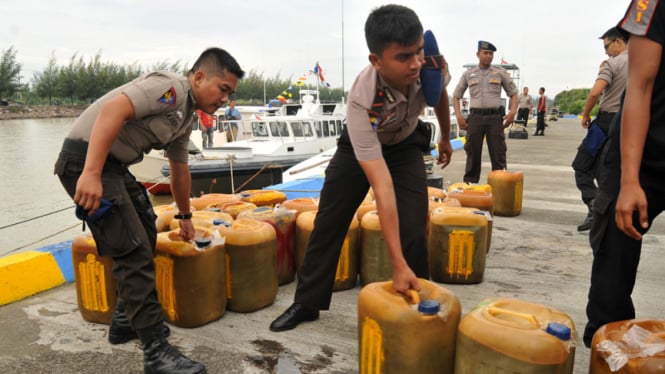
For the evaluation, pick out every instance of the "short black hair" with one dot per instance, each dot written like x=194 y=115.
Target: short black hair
x=217 y=61
x=392 y=24
x=542 y=89
x=614 y=34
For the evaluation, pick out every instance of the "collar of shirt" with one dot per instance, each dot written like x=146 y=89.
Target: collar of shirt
x=397 y=96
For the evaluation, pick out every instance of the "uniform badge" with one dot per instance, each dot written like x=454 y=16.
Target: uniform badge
x=389 y=95
x=168 y=97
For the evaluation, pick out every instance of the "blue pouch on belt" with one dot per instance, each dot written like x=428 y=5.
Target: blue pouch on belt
x=104 y=206
x=433 y=71
x=595 y=137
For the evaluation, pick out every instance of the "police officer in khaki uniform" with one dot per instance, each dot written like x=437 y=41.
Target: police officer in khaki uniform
x=486 y=114
x=155 y=111
x=381 y=147
x=524 y=107
x=610 y=83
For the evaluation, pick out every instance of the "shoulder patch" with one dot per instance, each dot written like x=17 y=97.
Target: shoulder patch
x=639 y=16
x=169 y=97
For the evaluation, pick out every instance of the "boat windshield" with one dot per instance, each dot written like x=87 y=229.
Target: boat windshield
x=260 y=129
x=279 y=129
x=301 y=129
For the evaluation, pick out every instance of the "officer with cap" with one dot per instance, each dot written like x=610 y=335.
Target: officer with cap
x=486 y=115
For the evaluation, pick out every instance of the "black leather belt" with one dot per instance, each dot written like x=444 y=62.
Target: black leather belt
x=485 y=111
x=606 y=114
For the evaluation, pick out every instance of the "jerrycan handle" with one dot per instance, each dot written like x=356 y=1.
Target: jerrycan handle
x=415 y=297
x=494 y=311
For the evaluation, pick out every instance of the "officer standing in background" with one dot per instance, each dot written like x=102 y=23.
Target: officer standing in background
x=486 y=115
x=541 y=109
x=610 y=82
x=524 y=106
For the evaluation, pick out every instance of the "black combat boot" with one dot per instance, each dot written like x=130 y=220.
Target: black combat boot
x=160 y=357
x=121 y=331
x=586 y=225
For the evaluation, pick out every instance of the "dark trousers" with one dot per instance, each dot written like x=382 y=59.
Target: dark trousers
x=540 y=124
x=616 y=257
x=344 y=189
x=207 y=134
x=481 y=127
x=523 y=115
x=126 y=233
x=587 y=166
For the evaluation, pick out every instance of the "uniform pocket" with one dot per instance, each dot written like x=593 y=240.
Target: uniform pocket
x=474 y=88
x=114 y=233
x=68 y=165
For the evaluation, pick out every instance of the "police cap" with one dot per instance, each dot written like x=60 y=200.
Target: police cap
x=486 y=45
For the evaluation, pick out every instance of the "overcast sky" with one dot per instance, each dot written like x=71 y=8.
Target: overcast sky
x=554 y=43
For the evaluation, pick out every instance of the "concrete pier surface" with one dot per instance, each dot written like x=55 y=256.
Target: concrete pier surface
x=537 y=256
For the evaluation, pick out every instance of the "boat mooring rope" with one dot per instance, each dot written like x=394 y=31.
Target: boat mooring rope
x=159 y=181
x=36 y=217
x=264 y=167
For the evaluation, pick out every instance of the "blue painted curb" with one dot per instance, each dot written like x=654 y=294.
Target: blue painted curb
x=62 y=252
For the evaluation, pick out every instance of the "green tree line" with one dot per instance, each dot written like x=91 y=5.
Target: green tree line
x=573 y=101
x=81 y=81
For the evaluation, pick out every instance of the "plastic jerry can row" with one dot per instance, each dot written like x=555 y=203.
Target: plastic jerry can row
x=427 y=334
x=194 y=285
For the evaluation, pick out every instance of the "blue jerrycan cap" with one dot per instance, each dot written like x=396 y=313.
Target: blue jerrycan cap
x=429 y=307
x=222 y=222
x=203 y=242
x=559 y=330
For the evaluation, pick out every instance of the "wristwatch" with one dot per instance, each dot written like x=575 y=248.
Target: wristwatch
x=183 y=216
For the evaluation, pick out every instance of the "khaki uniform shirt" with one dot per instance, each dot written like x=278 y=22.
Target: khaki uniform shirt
x=615 y=72
x=524 y=101
x=485 y=86
x=163 y=108
x=398 y=120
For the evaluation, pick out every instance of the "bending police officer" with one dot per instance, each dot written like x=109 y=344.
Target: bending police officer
x=156 y=110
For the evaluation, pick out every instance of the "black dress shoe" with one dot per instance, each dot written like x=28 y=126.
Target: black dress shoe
x=293 y=316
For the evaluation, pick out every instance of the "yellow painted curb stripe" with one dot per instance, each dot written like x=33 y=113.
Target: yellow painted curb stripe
x=25 y=274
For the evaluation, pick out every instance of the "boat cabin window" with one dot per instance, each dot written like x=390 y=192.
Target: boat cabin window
x=328 y=108
x=338 y=125
x=307 y=129
x=328 y=128
x=292 y=109
x=279 y=129
x=301 y=128
x=259 y=129
x=317 y=128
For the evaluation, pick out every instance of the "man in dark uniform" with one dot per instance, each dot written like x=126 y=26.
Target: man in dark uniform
x=610 y=82
x=155 y=111
x=381 y=147
x=486 y=115
x=631 y=192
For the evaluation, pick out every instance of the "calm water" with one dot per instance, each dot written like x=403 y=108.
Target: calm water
x=29 y=189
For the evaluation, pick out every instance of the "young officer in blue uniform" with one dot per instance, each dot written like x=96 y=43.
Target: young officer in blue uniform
x=631 y=192
x=381 y=146
x=154 y=111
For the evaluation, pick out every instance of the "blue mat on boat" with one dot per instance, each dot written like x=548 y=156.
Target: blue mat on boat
x=306 y=187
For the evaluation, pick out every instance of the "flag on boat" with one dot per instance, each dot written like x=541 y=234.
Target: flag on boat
x=301 y=81
x=318 y=71
x=503 y=62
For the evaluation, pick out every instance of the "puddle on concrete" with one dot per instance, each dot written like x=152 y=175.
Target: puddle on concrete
x=274 y=358
x=49 y=313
